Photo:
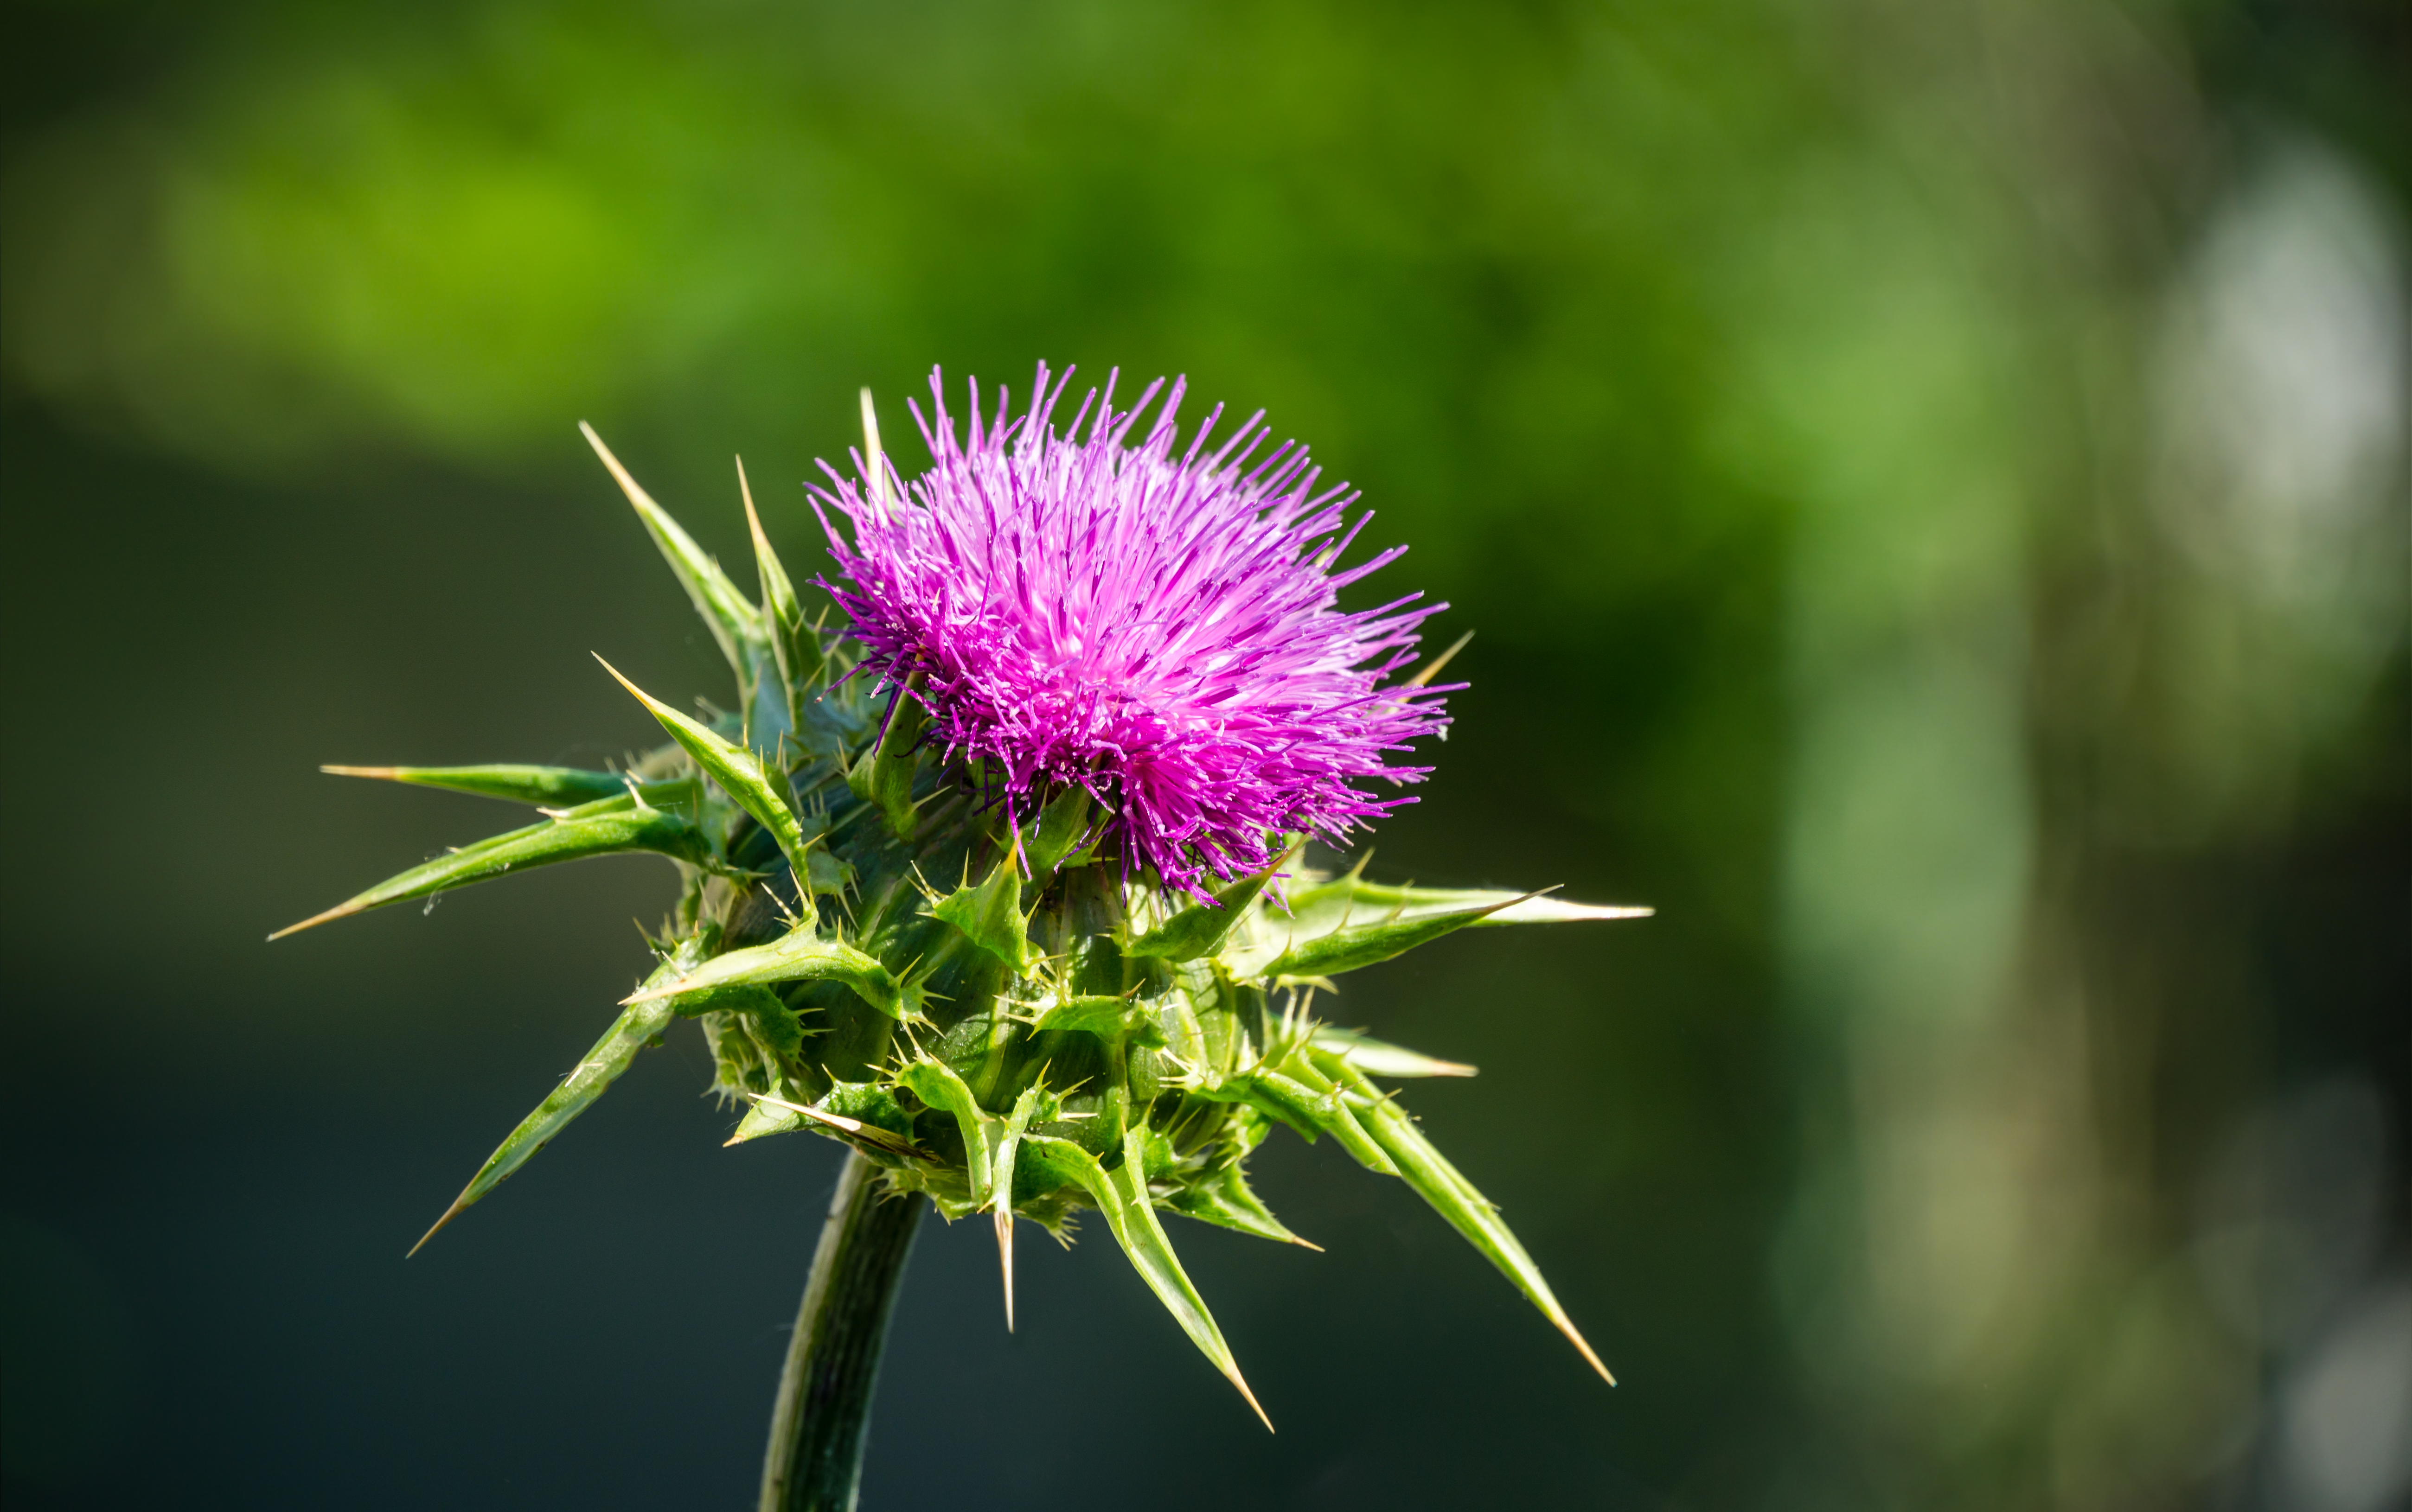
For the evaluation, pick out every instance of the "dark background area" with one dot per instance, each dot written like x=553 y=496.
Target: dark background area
x=1930 y=484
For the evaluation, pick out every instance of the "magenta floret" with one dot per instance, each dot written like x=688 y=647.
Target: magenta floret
x=1162 y=632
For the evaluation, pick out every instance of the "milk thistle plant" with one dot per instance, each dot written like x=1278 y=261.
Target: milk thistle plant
x=999 y=883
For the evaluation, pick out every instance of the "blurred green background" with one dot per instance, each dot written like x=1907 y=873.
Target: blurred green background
x=1930 y=483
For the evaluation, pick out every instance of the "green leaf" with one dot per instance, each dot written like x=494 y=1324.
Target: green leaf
x=587 y=793
x=1008 y=1146
x=1298 y=1114
x=1376 y=1058
x=935 y=1083
x=796 y=956
x=1225 y=1198
x=1358 y=945
x=593 y=1077
x=1109 y=1017
x=1297 y=1094
x=991 y=917
x=571 y=838
x=1348 y=900
x=538 y=786
x=1061 y=827
x=828 y=874
x=886 y=781
x=1455 y=1198
x=726 y=612
x=746 y=998
x=1122 y=1195
x=794 y=644
x=1200 y=929
x=677 y=793
x=758 y=789
x=772 y=1025
x=1307 y=1096
x=1016 y=1125
x=1501 y=908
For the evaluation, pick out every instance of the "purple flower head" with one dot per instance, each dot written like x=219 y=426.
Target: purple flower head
x=1159 y=630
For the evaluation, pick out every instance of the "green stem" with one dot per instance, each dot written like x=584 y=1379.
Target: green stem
x=823 y=1413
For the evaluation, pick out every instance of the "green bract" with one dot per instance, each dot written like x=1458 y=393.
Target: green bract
x=1003 y=1021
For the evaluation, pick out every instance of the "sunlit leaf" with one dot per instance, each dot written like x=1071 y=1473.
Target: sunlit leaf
x=1381 y=1059
x=828 y=874
x=1017 y=1126
x=1454 y=1198
x=1304 y=1094
x=1121 y=1194
x=990 y=915
x=568 y=839
x=637 y=1025
x=799 y=956
x=725 y=610
x=1225 y=1199
x=1008 y=1147
x=1200 y=929
x=794 y=644
x=1107 y=1016
x=935 y=1083
x=1357 y=946
x=1314 y=911
x=538 y=786
x=761 y=790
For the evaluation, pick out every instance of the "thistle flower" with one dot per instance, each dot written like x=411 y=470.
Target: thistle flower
x=1161 y=633
x=1121 y=699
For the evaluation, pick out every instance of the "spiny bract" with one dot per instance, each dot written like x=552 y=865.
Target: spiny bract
x=979 y=975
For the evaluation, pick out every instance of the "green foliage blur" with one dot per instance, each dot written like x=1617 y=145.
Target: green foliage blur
x=1931 y=486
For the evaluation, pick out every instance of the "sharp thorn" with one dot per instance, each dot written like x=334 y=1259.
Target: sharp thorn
x=637 y=495
x=1575 y=1338
x=1307 y=1244
x=449 y=1213
x=642 y=696
x=753 y=525
x=1005 y=1260
x=1232 y=1375
x=873 y=459
x=869 y=1133
x=340 y=910
x=1432 y=668
x=385 y=773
